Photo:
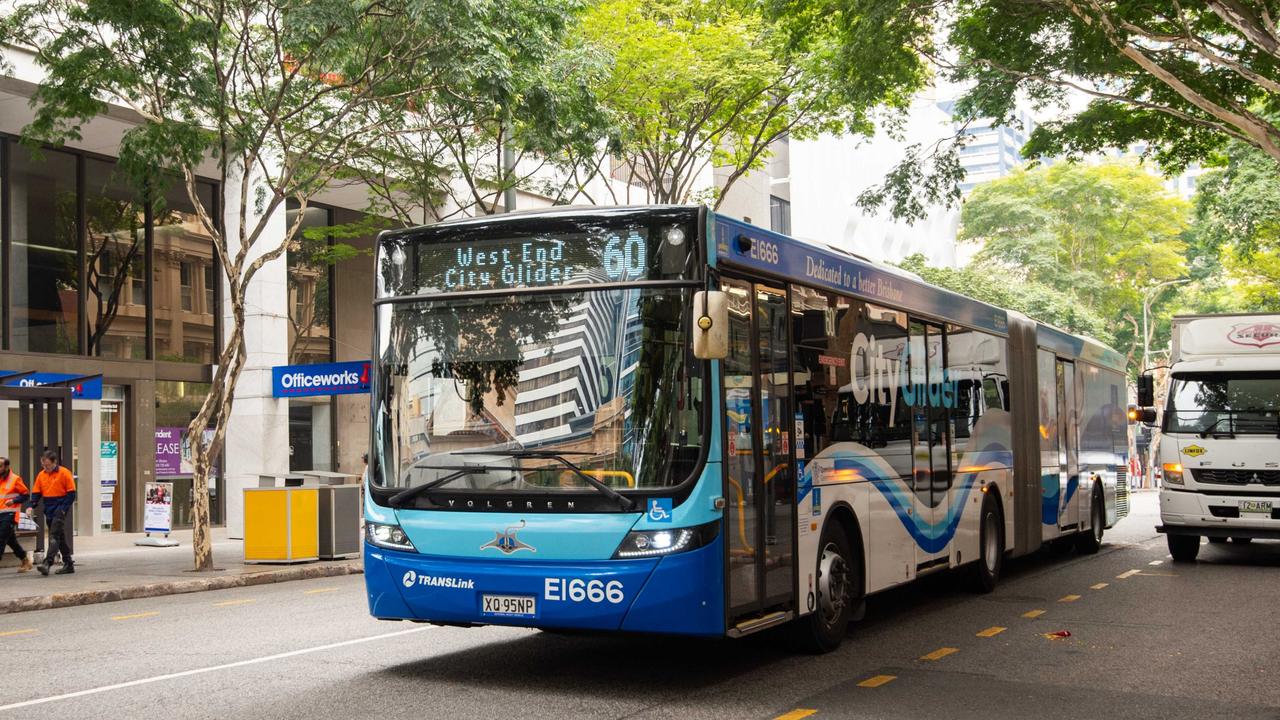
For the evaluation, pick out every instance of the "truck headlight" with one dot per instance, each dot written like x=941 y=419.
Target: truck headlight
x=388 y=536
x=652 y=543
x=1173 y=474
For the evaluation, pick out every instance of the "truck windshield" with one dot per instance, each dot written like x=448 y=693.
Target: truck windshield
x=1229 y=403
x=525 y=393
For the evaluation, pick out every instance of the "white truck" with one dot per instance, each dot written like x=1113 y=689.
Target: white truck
x=1220 y=444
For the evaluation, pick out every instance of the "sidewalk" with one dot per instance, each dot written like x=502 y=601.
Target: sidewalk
x=111 y=567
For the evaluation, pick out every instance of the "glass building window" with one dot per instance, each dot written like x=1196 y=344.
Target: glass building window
x=176 y=405
x=309 y=274
x=115 y=297
x=779 y=215
x=44 y=227
x=182 y=258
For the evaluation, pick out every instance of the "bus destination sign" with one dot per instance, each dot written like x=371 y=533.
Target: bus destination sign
x=534 y=261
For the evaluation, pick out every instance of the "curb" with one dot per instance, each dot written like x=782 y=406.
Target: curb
x=177 y=587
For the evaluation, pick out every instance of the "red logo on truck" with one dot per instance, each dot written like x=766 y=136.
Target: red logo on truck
x=1255 y=334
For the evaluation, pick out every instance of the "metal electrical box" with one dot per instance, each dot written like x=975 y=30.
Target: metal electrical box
x=280 y=524
x=339 y=521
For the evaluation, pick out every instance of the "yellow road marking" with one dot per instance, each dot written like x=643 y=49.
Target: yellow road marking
x=877 y=681
x=991 y=631
x=1032 y=613
x=1127 y=574
x=796 y=714
x=135 y=616
x=939 y=653
x=320 y=590
x=226 y=603
x=11 y=633
x=1099 y=586
x=1156 y=562
x=1069 y=598
x=1156 y=574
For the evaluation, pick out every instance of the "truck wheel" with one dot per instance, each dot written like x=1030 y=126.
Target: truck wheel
x=1088 y=543
x=986 y=571
x=1217 y=540
x=839 y=592
x=1241 y=540
x=1184 y=548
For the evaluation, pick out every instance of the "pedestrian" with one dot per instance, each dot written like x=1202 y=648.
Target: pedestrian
x=13 y=493
x=57 y=488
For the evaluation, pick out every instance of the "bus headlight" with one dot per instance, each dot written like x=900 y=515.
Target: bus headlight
x=652 y=543
x=388 y=536
x=1173 y=474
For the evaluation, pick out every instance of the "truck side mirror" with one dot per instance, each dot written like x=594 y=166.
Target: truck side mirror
x=710 y=325
x=1144 y=415
x=1146 y=391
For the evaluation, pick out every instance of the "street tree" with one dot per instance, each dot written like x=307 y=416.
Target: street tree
x=1238 y=222
x=1175 y=79
x=694 y=85
x=278 y=95
x=1108 y=235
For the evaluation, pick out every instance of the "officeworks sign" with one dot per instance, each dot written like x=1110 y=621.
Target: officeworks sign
x=344 y=378
x=83 y=389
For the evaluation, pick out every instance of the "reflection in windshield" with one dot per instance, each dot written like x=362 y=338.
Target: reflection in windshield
x=1224 y=403
x=513 y=386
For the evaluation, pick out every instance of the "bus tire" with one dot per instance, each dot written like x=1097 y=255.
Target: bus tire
x=1090 y=542
x=986 y=571
x=1184 y=548
x=1241 y=540
x=838 y=593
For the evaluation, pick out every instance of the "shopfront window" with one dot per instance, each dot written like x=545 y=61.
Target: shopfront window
x=44 y=229
x=115 y=297
x=183 y=264
x=176 y=404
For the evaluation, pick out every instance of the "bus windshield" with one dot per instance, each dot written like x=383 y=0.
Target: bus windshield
x=1225 y=403
x=519 y=393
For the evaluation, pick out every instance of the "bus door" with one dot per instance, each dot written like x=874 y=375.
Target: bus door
x=1068 y=452
x=759 y=477
x=931 y=470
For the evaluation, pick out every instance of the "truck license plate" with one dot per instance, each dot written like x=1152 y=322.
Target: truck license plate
x=1255 y=506
x=508 y=605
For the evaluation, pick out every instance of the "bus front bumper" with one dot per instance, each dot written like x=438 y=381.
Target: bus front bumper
x=678 y=593
x=1187 y=512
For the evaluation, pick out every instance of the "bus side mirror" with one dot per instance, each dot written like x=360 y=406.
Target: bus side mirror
x=1146 y=391
x=710 y=325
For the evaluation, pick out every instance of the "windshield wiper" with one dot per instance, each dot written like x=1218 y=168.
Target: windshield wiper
x=1205 y=432
x=397 y=500
x=627 y=503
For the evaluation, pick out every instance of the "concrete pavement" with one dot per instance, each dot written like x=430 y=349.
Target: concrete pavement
x=1148 y=639
x=111 y=568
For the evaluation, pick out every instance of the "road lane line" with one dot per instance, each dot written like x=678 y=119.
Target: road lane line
x=228 y=603
x=1127 y=574
x=11 y=633
x=213 y=668
x=1156 y=562
x=877 y=681
x=319 y=590
x=992 y=631
x=135 y=616
x=1099 y=586
x=796 y=714
x=940 y=653
x=1069 y=598
x=1032 y=614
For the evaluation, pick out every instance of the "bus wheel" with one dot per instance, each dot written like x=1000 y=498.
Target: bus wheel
x=986 y=571
x=838 y=592
x=1184 y=548
x=1090 y=542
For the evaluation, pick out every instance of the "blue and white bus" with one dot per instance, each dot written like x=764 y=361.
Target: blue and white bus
x=660 y=419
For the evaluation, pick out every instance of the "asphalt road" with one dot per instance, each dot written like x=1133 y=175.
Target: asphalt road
x=1148 y=639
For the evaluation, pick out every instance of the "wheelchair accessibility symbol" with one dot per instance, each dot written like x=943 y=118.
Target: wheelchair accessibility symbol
x=660 y=510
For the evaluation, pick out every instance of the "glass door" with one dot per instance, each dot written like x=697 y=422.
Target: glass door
x=1068 y=458
x=931 y=459
x=111 y=456
x=759 y=476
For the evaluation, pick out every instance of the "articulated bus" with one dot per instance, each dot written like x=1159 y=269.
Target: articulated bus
x=660 y=419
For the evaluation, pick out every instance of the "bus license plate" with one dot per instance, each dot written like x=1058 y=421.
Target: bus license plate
x=1255 y=506
x=508 y=605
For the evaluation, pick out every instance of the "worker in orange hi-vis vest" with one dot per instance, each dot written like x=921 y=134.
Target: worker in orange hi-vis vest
x=13 y=493
x=57 y=488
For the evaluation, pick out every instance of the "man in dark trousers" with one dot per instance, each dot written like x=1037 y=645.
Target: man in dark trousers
x=13 y=493
x=57 y=488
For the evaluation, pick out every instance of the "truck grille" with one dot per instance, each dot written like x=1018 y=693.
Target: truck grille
x=1122 y=492
x=1223 y=476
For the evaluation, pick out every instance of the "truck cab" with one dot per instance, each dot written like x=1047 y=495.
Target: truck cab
x=1220 y=432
